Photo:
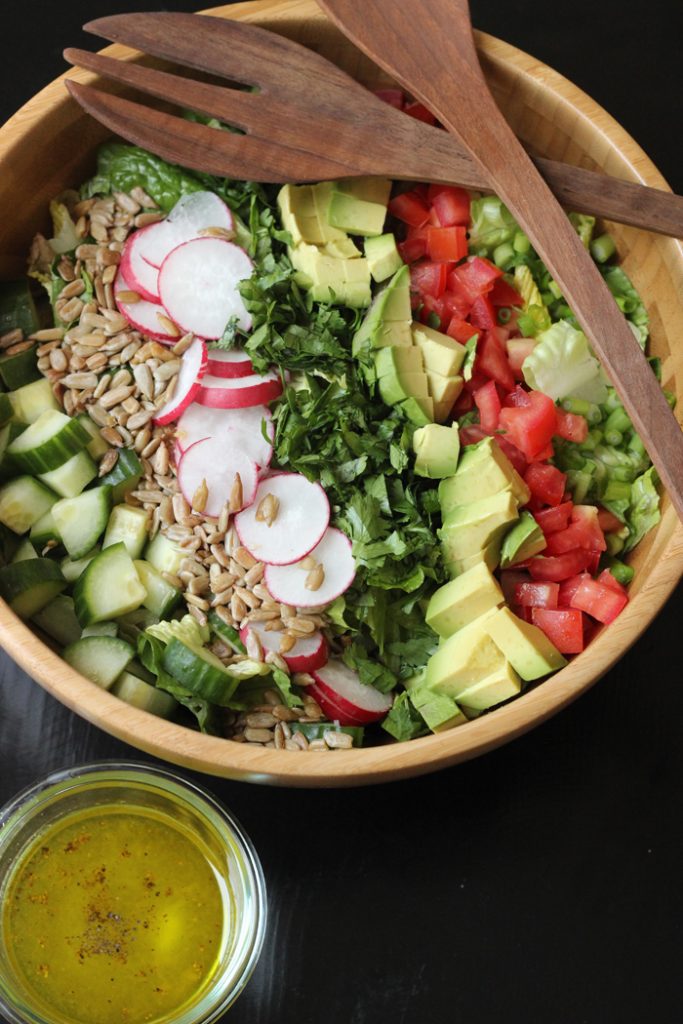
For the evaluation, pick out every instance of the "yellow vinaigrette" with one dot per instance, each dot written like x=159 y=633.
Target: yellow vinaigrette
x=115 y=916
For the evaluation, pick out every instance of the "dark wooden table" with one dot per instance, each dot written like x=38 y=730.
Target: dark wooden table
x=539 y=884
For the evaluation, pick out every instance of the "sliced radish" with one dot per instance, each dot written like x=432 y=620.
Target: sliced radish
x=287 y=583
x=213 y=463
x=302 y=513
x=192 y=369
x=198 y=286
x=191 y=215
x=307 y=653
x=343 y=697
x=230 y=363
x=142 y=315
x=200 y=421
x=240 y=392
x=142 y=276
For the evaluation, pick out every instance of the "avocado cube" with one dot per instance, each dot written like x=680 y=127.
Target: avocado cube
x=470 y=528
x=356 y=294
x=371 y=189
x=396 y=387
x=502 y=684
x=343 y=248
x=356 y=271
x=441 y=353
x=383 y=257
x=525 y=646
x=483 y=470
x=394 y=333
x=357 y=216
x=439 y=711
x=489 y=556
x=465 y=658
x=394 y=299
x=398 y=360
x=464 y=599
x=444 y=391
x=436 y=448
x=524 y=540
x=419 y=411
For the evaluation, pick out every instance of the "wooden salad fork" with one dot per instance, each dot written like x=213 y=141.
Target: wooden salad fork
x=308 y=121
x=441 y=68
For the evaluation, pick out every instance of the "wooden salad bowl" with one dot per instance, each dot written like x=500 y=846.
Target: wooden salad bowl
x=50 y=145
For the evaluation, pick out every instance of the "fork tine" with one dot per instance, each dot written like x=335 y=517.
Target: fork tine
x=230 y=105
x=199 y=147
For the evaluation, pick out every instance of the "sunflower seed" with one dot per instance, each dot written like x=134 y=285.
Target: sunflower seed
x=200 y=496
x=315 y=578
x=168 y=326
x=236 y=499
x=268 y=509
x=238 y=608
x=337 y=740
x=107 y=462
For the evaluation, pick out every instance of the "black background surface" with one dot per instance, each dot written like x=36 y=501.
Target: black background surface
x=539 y=884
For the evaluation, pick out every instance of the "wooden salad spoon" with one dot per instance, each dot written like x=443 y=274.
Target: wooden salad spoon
x=441 y=68
x=309 y=121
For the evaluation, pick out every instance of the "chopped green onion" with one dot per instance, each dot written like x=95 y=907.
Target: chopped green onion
x=622 y=573
x=433 y=321
x=520 y=243
x=603 y=248
x=503 y=255
x=614 y=542
x=618 y=420
x=614 y=437
x=504 y=314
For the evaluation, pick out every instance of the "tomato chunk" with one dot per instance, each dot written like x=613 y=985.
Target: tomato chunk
x=564 y=628
x=419 y=111
x=553 y=519
x=452 y=205
x=394 y=97
x=428 y=278
x=608 y=521
x=532 y=426
x=482 y=313
x=409 y=207
x=518 y=349
x=547 y=483
x=568 y=588
x=571 y=427
x=460 y=330
x=602 y=602
x=607 y=580
x=492 y=359
x=487 y=402
x=446 y=245
x=510 y=579
x=537 y=594
x=584 y=518
x=555 y=568
x=504 y=294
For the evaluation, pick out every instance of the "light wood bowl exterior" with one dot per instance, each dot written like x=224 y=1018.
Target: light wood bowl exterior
x=49 y=145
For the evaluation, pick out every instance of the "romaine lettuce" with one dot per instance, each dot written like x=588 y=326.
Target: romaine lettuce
x=561 y=365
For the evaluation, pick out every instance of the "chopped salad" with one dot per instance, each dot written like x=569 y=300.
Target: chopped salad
x=310 y=466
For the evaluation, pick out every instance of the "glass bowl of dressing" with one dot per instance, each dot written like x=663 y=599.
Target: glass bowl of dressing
x=128 y=895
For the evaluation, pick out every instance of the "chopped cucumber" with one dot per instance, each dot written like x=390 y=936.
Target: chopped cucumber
x=316 y=730
x=24 y=551
x=199 y=671
x=226 y=633
x=19 y=369
x=162 y=597
x=141 y=695
x=125 y=475
x=29 y=585
x=164 y=555
x=96 y=446
x=44 y=530
x=7 y=434
x=9 y=542
x=47 y=443
x=133 y=624
x=73 y=567
x=101 y=629
x=58 y=620
x=81 y=520
x=101 y=659
x=129 y=525
x=23 y=502
x=139 y=670
x=109 y=587
x=30 y=401
x=72 y=477
x=17 y=307
x=6 y=409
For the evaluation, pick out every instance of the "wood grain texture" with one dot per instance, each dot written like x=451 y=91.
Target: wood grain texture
x=297 y=92
x=546 y=111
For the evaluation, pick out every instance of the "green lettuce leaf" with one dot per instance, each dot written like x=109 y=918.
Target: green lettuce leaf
x=121 y=168
x=65 y=238
x=151 y=652
x=492 y=224
x=561 y=365
x=186 y=629
x=643 y=513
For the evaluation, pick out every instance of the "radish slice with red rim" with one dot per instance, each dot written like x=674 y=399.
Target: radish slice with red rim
x=198 y=286
x=287 y=519
x=213 y=463
x=308 y=653
x=333 y=573
x=191 y=215
x=142 y=276
x=343 y=697
x=240 y=392
x=192 y=369
x=200 y=421
x=229 y=363
x=142 y=315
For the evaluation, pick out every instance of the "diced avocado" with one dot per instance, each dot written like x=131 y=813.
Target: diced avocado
x=439 y=711
x=303 y=214
x=354 y=215
x=354 y=294
x=464 y=599
x=343 y=248
x=468 y=529
x=419 y=411
x=394 y=334
x=502 y=684
x=467 y=657
x=371 y=189
x=524 y=540
x=383 y=257
x=483 y=470
x=395 y=297
x=444 y=392
x=436 y=449
x=387 y=322
x=525 y=646
x=489 y=556
x=330 y=279
x=397 y=387
x=397 y=359
x=441 y=353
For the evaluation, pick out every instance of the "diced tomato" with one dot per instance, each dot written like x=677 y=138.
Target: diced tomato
x=480 y=274
x=476 y=381
x=447 y=245
x=487 y=402
x=513 y=453
x=517 y=398
x=608 y=521
x=504 y=294
x=452 y=205
x=492 y=358
x=553 y=519
x=555 y=568
x=518 y=349
x=412 y=249
x=607 y=580
x=522 y=613
x=571 y=427
x=483 y=315
x=546 y=482
x=530 y=428
x=537 y=595
x=410 y=207
x=472 y=434
x=564 y=628
x=394 y=97
x=428 y=278
x=584 y=519
x=464 y=403
x=419 y=111
x=576 y=535
x=510 y=579
x=433 y=307
x=602 y=602
x=545 y=454
x=568 y=588
x=457 y=306
x=460 y=329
